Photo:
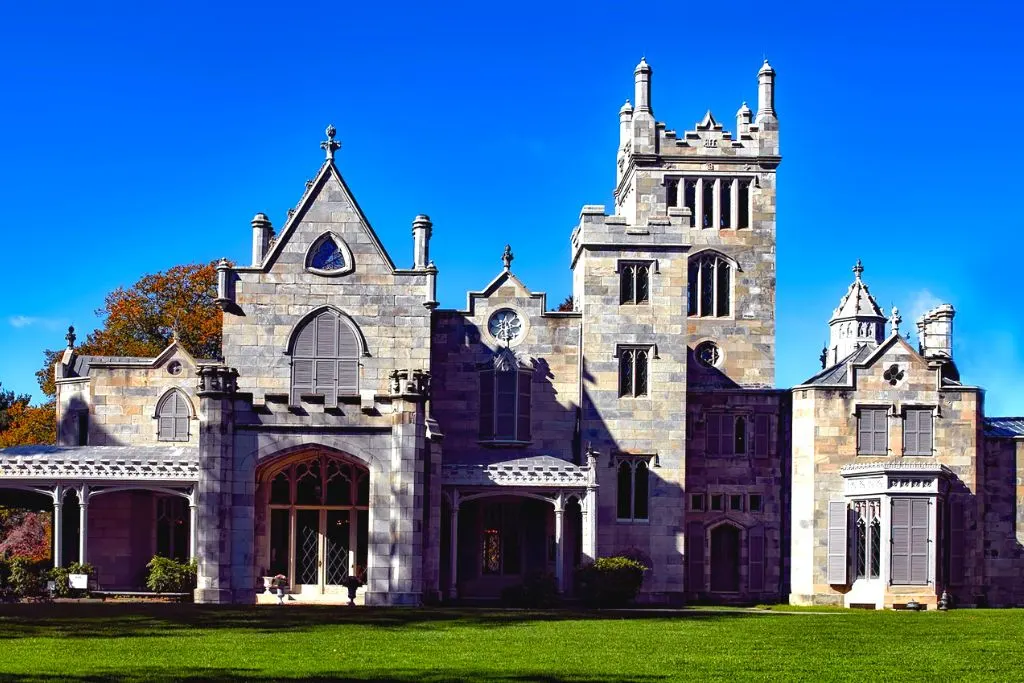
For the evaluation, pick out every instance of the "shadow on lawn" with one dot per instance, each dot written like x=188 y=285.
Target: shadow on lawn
x=399 y=676
x=90 y=620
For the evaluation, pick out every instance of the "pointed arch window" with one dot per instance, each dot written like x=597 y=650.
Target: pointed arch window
x=709 y=289
x=173 y=413
x=329 y=255
x=633 y=488
x=506 y=389
x=325 y=358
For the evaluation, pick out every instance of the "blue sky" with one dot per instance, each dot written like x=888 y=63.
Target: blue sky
x=136 y=137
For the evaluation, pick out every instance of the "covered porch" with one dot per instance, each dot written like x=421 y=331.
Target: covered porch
x=505 y=522
x=113 y=507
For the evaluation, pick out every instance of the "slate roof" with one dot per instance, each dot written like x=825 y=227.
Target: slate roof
x=839 y=374
x=1004 y=427
x=538 y=470
x=131 y=463
x=858 y=302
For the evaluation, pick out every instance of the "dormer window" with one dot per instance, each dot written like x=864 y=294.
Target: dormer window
x=325 y=353
x=506 y=389
x=329 y=255
x=173 y=413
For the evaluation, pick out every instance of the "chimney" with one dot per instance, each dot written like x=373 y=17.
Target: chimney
x=261 y=231
x=421 y=228
x=935 y=332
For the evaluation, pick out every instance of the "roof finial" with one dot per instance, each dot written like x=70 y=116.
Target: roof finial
x=70 y=336
x=858 y=268
x=895 y=319
x=330 y=144
x=824 y=356
x=507 y=257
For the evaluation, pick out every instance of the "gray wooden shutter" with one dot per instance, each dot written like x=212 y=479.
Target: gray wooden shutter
x=303 y=352
x=762 y=425
x=180 y=417
x=348 y=363
x=838 y=542
x=910 y=432
x=919 y=540
x=728 y=435
x=487 y=405
x=881 y=432
x=755 y=555
x=924 y=431
x=864 y=438
x=956 y=542
x=523 y=416
x=325 y=378
x=695 y=557
x=714 y=437
x=900 y=541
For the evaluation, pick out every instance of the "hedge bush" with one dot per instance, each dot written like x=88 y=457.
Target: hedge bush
x=170 y=576
x=610 y=581
x=61 y=577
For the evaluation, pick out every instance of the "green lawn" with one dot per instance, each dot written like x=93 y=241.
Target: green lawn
x=99 y=642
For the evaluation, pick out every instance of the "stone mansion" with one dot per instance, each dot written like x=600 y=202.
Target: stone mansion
x=351 y=426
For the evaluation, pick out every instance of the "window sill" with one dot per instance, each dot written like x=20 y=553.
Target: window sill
x=503 y=443
x=633 y=521
x=919 y=455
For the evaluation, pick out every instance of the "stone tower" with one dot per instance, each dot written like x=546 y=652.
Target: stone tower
x=856 y=322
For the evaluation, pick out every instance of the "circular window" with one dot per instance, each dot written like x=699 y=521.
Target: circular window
x=708 y=355
x=174 y=367
x=505 y=325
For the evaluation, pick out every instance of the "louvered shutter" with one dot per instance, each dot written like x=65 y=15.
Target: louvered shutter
x=325 y=379
x=523 y=416
x=487 y=405
x=910 y=440
x=728 y=435
x=900 y=541
x=303 y=352
x=165 y=428
x=714 y=437
x=864 y=432
x=881 y=432
x=762 y=424
x=919 y=540
x=755 y=555
x=180 y=417
x=348 y=365
x=956 y=542
x=838 y=542
x=695 y=557
x=924 y=431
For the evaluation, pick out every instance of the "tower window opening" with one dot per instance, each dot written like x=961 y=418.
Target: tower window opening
x=725 y=201
x=743 y=215
x=708 y=219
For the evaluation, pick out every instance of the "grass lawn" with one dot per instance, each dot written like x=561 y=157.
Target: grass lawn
x=100 y=642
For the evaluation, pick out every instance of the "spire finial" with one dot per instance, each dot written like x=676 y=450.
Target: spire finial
x=70 y=336
x=858 y=268
x=824 y=356
x=895 y=319
x=330 y=145
x=507 y=257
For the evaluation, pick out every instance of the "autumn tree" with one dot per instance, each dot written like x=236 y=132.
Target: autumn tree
x=29 y=425
x=142 y=320
x=566 y=305
x=8 y=400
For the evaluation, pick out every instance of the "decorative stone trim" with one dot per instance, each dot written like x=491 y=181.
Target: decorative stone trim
x=100 y=462
x=541 y=471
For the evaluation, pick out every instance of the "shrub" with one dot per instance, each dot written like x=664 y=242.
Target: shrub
x=170 y=576
x=61 y=577
x=536 y=590
x=27 y=579
x=610 y=581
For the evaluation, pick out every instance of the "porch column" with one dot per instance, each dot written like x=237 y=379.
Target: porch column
x=559 y=545
x=454 y=548
x=589 y=514
x=192 y=535
x=83 y=523
x=58 y=525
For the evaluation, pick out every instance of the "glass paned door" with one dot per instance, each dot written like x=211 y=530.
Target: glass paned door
x=307 y=547
x=338 y=536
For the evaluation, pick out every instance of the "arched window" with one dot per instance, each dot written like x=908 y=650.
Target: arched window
x=633 y=488
x=709 y=290
x=325 y=358
x=329 y=255
x=505 y=394
x=173 y=413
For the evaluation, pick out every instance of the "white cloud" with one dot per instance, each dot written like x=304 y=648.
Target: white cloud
x=20 y=321
x=921 y=302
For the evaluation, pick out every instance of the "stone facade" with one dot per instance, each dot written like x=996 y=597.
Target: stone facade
x=353 y=429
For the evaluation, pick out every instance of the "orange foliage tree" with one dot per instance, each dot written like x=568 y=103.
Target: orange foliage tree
x=141 y=320
x=29 y=425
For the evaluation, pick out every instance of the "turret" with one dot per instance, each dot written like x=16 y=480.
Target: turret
x=642 y=87
x=644 y=129
x=743 y=118
x=856 y=322
x=261 y=233
x=625 y=119
x=766 y=93
x=421 y=228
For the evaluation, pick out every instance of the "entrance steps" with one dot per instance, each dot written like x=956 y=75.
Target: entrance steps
x=267 y=598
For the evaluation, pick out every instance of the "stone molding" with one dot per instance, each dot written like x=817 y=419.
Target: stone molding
x=525 y=472
x=100 y=463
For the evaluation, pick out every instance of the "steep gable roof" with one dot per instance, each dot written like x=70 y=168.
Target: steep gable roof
x=858 y=301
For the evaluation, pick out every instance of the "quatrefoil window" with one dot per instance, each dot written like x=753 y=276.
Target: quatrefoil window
x=329 y=255
x=893 y=375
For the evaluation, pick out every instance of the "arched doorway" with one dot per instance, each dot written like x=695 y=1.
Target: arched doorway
x=725 y=559
x=317 y=520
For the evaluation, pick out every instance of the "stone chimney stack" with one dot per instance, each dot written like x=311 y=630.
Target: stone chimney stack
x=743 y=118
x=421 y=229
x=642 y=87
x=261 y=232
x=766 y=93
x=935 y=332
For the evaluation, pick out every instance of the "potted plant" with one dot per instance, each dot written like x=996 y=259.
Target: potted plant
x=280 y=582
x=352 y=583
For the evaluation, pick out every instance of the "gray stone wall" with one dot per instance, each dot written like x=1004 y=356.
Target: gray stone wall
x=1003 y=520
